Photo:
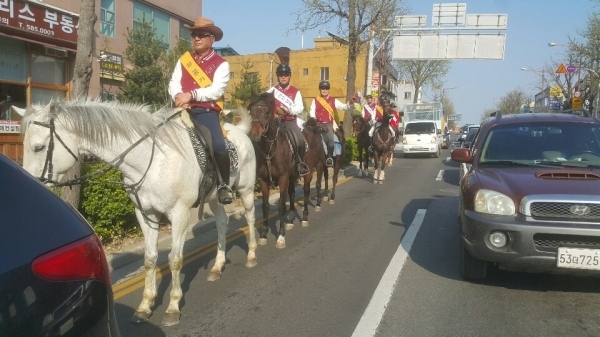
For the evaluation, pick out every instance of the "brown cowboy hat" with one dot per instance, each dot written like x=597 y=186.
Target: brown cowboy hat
x=206 y=25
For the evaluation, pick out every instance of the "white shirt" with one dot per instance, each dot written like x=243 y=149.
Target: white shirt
x=210 y=93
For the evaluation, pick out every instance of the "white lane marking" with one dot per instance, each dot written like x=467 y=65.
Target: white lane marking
x=448 y=159
x=369 y=322
x=440 y=175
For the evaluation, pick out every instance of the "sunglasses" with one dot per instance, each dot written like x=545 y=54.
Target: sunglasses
x=200 y=35
x=322 y=88
x=284 y=74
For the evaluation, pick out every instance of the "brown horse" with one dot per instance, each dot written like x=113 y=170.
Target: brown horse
x=383 y=142
x=315 y=160
x=360 y=130
x=337 y=165
x=274 y=164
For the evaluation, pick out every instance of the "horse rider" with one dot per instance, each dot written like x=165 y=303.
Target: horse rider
x=324 y=108
x=376 y=122
x=198 y=84
x=288 y=105
x=395 y=120
x=368 y=110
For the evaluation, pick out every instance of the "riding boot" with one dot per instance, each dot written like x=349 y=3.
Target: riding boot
x=329 y=161
x=371 y=144
x=302 y=167
x=224 y=192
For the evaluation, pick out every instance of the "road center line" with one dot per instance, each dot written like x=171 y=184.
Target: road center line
x=369 y=322
x=440 y=175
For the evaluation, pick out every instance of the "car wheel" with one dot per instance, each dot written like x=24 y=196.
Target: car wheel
x=471 y=268
x=437 y=153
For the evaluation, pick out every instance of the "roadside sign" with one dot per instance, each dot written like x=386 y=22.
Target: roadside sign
x=561 y=69
x=375 y=84
x=454 y=117
x=575 y=103
x=577 y=94
x=571 y=68
x=554 y=104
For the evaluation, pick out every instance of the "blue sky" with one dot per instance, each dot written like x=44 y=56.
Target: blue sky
x=260 y=26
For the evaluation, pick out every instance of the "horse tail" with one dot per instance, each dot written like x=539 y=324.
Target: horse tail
x=242 y=119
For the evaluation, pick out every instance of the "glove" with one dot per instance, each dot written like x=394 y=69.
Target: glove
x=280 y=111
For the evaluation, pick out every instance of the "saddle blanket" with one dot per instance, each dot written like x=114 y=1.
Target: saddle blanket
x=337 y=146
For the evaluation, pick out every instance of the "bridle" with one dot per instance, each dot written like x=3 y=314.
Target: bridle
x=273 y=143
x=362 y=129
x=48 y=167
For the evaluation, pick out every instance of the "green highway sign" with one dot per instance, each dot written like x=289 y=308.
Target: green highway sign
x=454 y=117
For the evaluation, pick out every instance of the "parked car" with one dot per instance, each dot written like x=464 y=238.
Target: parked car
x=530 y=201
x=54 y=278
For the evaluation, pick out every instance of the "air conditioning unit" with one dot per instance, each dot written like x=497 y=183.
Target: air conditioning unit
x=55 y=52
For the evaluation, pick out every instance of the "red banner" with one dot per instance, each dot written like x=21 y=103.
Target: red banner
x=39 y=20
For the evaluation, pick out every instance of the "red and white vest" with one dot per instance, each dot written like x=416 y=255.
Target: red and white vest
x=209 y=65
x=289 y=91
x=368 y=113
x=321 y=114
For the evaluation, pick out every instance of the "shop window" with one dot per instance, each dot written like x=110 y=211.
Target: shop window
x=159 y=21
x=43 y=96
x=49 y=70
x=407 y=95
x=108 y=96
x=13 y=60
x=325 y=74
x=107 y=18
x=184 y=34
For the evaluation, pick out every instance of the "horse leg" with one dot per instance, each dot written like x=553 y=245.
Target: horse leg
x=326 y=176
x=375 y=167
x=307 y=180
x=320 y=169
x=150 y=231
x=180 y=220
x=336 y=171
x=382 y=172
x=283 y=186
x=247 y=195
x=221 y=220
x=292 y=214
x=264 y=188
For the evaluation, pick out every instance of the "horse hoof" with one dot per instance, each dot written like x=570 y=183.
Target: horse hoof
x=304 y=223
x=261 y=241
x=325 y=198
x=280 y=244
x=289 y=226
x=140 y=317
x=317 y=208
x=213 y=276
x=375 y=181
x=381 y=182
x=171 y=318
x=332 y=202
x=251 y=263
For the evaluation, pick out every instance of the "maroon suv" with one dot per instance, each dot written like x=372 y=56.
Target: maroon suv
x=531 y=198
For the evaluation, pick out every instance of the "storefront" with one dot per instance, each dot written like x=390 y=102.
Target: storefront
x=37 y=52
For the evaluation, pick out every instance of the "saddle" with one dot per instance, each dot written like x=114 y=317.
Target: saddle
x=201 y=140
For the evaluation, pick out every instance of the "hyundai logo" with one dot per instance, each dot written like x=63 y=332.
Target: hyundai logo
x=580 y=209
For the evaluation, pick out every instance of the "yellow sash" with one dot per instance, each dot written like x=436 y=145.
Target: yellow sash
x=326 y=106
x=198 y=74
x=380 y=110
x=188 y=63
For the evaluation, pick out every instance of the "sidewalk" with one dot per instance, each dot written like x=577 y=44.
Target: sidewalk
x=128 y=262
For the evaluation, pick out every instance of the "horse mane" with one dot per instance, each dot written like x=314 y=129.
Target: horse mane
x=104 y=122
x=267 y=97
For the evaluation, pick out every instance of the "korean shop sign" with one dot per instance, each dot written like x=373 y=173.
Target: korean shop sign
x=112 y=63
x=38 y=20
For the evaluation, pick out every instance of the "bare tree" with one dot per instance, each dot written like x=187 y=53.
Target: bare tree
x=356 y=18
x=512 y=102
x=81 y=82
x=423 y=72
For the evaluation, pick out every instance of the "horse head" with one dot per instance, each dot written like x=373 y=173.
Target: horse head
x=359 y=124
x=50 y=150
x=261 y=110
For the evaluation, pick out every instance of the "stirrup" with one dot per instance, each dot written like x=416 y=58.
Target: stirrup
x=329 y=161
x=225 y=194
x=303 y=169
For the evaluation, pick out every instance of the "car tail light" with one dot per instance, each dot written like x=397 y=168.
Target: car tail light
x=80 y=260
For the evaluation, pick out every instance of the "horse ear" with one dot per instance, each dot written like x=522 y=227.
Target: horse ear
x=20 y=111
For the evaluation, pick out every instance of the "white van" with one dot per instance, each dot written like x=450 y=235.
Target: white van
x=422 y=137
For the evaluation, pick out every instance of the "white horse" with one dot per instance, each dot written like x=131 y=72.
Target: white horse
x=160 y=173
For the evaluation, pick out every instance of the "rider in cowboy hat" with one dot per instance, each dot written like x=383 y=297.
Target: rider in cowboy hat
x=198 y=84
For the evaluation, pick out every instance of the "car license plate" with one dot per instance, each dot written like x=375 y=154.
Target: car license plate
x=578 y=258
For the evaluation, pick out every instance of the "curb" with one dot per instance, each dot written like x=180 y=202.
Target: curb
x=135 y=252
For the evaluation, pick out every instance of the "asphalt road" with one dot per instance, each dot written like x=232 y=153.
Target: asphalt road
x=382 y=261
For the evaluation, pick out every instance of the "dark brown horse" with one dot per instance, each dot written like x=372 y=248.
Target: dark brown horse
x=337 y=165
x=360 y=130
x=315 y=160
x=275 y=165
x=383 y=143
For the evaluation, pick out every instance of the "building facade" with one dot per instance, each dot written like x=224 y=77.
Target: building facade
x=38 y=43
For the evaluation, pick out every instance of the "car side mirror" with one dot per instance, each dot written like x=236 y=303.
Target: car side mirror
x=461 y=155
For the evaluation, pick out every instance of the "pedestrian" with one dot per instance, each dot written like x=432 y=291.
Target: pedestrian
x=324 y=108
x=198 y=84
x=288 y=105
